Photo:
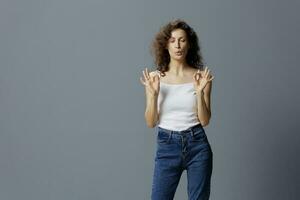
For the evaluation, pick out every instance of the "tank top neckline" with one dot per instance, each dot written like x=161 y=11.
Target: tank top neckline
x=177 y=84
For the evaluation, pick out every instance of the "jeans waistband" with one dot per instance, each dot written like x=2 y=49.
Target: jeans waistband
x=190 y=130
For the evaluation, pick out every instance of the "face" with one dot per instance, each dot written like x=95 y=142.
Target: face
x=178 y=44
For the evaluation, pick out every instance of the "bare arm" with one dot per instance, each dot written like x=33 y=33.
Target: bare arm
x=151 y=114
x=203 y=104
x=151 y=84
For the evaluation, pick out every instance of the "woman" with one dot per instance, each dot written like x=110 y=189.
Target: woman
x=178 y=103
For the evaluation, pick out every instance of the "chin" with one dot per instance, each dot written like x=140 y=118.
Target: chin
x=178 y=58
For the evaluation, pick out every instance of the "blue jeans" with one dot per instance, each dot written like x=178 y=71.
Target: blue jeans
x=177 y=151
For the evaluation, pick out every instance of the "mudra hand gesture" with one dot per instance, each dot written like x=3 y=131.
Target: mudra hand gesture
x=200 y=81
x=151 y=83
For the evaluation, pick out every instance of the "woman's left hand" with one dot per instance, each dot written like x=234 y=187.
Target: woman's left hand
x=200 y=80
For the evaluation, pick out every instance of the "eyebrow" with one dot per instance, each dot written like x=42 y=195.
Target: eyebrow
x=179 y=37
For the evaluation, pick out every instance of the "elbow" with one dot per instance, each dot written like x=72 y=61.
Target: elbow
x=150 y=122
x=205 y=122
x=151 y=125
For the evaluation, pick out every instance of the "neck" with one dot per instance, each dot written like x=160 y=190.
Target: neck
x=177 y=67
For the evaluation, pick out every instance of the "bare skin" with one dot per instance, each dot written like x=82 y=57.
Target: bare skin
x=179 y=72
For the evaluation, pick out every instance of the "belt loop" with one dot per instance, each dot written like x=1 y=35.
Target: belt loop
x=192 y=132
x=170 y=135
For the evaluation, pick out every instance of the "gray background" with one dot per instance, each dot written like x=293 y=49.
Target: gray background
x=72 y=106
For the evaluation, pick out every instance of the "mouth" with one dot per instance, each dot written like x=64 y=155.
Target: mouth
x=179 y=53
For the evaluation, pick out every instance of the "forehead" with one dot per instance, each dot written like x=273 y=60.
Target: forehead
x=177 y=33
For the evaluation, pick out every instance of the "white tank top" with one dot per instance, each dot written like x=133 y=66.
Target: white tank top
x=177 y=106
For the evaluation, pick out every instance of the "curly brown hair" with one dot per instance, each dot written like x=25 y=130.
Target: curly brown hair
x=160 y=53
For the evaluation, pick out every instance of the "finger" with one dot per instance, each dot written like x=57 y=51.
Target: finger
x=198 y=74
x=142 y=81
x=208 y=71
x=195 y=76
x=211 y=78
x=206 y=68
x=205 y=71
x=147 y=73
x=144 y=75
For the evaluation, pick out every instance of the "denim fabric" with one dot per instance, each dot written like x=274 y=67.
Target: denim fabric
x=182 y=150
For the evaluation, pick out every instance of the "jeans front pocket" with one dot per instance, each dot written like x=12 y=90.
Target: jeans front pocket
x=163 y=137
x=199 y=136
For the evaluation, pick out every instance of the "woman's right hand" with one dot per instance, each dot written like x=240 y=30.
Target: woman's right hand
x=151 y=83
